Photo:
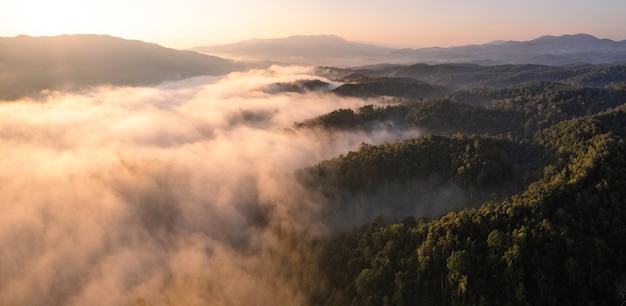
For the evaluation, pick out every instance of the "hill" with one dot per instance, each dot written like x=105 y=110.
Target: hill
x=464 y=76
x=31 y=64
x=515 y=197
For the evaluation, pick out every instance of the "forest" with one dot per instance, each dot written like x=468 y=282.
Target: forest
x=445 y=184
x=514 y=195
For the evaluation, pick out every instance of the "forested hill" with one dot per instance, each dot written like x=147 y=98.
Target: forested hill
x=465 y=76
x=559 y=242
x=516 y=196
x=516 y=112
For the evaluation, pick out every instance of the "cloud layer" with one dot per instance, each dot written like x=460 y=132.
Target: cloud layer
x=178 y=194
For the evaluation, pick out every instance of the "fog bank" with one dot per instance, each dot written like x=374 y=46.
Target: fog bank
x=180 y=194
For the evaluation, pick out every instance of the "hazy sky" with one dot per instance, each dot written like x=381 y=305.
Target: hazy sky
x=405 y=23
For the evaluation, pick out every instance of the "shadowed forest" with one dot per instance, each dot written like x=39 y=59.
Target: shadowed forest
x=513 y=196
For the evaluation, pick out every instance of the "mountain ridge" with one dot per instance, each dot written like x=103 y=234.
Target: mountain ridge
x=297 y=49
x=334 y=50
x=31 y=64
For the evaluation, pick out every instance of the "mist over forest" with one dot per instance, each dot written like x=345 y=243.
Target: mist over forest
x=187 y=179
x=120 y=192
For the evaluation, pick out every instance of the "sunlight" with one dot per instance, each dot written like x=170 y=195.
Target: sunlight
x=53 y=17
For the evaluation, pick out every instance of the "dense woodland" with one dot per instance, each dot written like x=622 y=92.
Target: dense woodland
x=536 y=156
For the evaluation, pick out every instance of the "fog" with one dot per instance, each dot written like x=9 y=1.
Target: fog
x=181 y=194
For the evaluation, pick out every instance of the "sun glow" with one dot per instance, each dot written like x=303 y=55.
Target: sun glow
x=41 y=17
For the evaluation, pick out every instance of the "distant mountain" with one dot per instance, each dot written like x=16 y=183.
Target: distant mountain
x=329 y=50
x=336 y=51
x=31 y=64
x=547 y=50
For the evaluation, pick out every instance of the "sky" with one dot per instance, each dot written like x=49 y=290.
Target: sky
x=185 y=24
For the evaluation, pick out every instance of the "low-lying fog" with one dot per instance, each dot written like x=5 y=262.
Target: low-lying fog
x=180 y=194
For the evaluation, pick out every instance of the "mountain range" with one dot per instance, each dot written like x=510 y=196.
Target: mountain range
x=333 y=50
x=31 y=64
x=319 y=50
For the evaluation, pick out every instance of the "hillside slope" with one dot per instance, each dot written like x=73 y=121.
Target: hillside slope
x=31 y=64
